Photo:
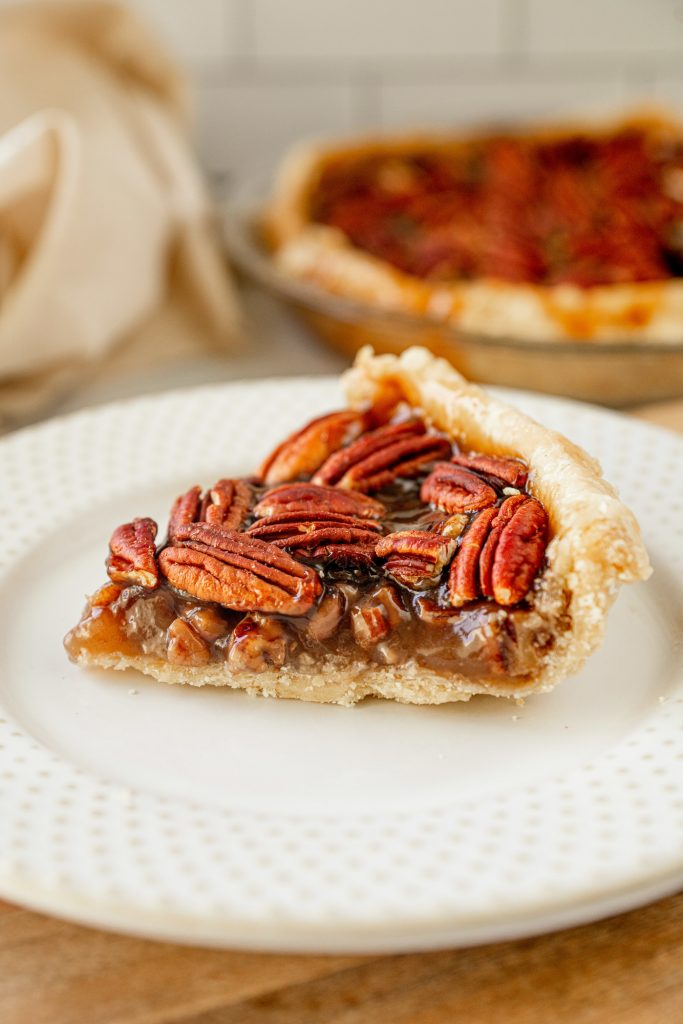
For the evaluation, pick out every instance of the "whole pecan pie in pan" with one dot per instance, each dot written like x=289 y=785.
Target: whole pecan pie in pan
x=425 y=544
x=557 y=232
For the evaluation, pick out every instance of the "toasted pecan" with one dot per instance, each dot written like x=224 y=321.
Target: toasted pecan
x=511 y=471
x=303 y=452
x=381 y=456
x=307 y=497
x=132 y=554
x=415 y=558
x=238 y=571
x=454 y=489
x=501 y=553
x=463 y=582
x=519 y=552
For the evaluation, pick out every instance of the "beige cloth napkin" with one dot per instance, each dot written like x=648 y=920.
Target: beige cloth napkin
x=102 y=210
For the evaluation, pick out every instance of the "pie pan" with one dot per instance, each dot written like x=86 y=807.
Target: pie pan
x=616 y=373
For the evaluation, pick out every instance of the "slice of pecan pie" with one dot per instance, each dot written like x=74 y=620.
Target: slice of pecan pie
x=427 y=543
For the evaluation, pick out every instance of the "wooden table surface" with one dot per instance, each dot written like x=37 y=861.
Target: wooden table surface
x=625 y=970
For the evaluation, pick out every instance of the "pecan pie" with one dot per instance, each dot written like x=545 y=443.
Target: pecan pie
x=566 y=232
x=425 y=544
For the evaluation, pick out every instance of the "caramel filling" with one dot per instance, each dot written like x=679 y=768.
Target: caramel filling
x=369 y=610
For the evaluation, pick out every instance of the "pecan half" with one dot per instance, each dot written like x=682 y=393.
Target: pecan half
x=381 y=456
x=185 y=509
x=228 y=504
x=238 y=571
x=511 y=471
x=500 y=553
x=308 y=497
x=415 y=559
x=519 y=551
x=132 y=554
x=306 y=529
x=303 y=452
x=454 y=489
x=505 y=513
x=357 y=556
x=320 y=535
x=463 y=582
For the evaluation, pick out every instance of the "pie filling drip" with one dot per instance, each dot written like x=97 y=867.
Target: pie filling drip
x=582 y=210
x=367 y=537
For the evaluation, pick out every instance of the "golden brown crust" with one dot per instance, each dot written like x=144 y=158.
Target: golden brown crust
x=323 y=256
x=596 y=542
x=595 y=546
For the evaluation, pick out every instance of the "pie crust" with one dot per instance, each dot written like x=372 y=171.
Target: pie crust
x=594 y=546
x=323 y=256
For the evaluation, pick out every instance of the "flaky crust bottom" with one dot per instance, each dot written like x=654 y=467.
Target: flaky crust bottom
x=329 y=683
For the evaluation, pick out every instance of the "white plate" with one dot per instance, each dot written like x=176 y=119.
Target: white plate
x=211 y=817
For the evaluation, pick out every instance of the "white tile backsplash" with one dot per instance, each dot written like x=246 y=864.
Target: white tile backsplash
x=497 y=99
x=270 y=71
x=633 y=27
x=380 y=29
x=198 y=32
x=668 y=90
x=245 y=128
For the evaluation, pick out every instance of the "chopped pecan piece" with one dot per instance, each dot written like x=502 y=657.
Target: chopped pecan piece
x=309 y=497
x=238 y=571
x=320 y=534
x=500 y=553
x=185 y=647
x=378 y=458
x=228 y=504
x=429 y=611
x=369 y=624
x=454 y=525
x=511 y=471
x=303 y=452
x=373 y=620
x=325 y=618
x=185 y=509
x=415 y=559
x=257 y=643
x=207 y=621
x=453 y=489
x=105 y=595
x=132 y=554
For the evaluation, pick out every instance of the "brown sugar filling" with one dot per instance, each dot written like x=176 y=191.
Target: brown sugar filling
x=366 y=538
